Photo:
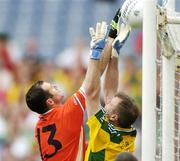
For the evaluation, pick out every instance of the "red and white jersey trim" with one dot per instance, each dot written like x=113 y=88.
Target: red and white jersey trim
x=82 y=91
x=80 y=148
x=77 y=99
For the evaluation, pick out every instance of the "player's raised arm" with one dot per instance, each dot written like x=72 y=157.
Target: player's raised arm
x=93 y=87
x=112 y=72
x=113 y=32
x=109 y=127
x=91 y=83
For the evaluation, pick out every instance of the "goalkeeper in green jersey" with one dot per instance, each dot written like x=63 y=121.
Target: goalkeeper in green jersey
x=111 y=130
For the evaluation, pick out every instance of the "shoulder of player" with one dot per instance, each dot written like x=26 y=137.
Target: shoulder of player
x=74 y=101
x=99 y=116
x=124 y=131
x=45 y=116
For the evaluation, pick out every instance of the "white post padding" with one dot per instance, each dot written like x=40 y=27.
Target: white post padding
x=149 y=81
x=168 y=107
x=168 y=104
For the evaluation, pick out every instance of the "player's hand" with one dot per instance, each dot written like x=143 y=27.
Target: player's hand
x=120 y=39
x=114 y=26
x=98 y=40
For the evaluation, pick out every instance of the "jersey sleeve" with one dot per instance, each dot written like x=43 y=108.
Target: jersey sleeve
x=131 y=141
x=95 y=123
x=96 y=120
x=132 y=147
x=73 y=110
x=76 y=103
x=80 y=97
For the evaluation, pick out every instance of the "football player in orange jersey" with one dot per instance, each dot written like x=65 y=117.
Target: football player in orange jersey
x=59 y=130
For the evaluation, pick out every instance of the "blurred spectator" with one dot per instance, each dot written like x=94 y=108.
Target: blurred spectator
x=73 y=62
x=4 y=55
x=32 y=51
x=74 y=56
x=138 y=43
x=130 y=78
x=5 y=59
x=19 y=69
x=36 y=67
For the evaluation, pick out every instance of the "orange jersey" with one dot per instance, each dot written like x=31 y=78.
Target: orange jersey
x=60 y=131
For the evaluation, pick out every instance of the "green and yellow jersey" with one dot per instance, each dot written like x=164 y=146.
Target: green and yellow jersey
x=106 y=140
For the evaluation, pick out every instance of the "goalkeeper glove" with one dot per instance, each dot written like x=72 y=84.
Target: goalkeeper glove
x=98 y=40
x=120 y=39
x=113 y=32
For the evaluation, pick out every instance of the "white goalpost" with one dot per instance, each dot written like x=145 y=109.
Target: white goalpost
x=168 y=80
x=149 y=81
x=164 y=22
x=168 y=84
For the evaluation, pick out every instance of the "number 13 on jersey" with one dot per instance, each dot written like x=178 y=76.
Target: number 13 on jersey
x=49 y=130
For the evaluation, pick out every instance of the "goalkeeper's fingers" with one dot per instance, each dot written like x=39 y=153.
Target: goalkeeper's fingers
x=92 y=33
x=120 y=40
x=98 y=30
x=104 y=27
x=124 y=32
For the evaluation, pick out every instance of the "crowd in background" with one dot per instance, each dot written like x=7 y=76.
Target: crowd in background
x=22 y=63
x=67 y=69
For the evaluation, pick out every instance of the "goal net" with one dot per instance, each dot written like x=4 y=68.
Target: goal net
x=168 y=110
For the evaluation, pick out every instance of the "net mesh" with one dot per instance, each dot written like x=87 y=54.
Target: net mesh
x=169 y=36
x=174 y=34
x=174 y=31
x=177 y=116
x=159 y=112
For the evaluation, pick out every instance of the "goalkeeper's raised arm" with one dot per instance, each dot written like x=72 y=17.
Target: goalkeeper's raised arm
x=110 y=127
x=112 y=72
x=99 y=60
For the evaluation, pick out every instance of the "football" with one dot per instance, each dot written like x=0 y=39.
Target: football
x=132 y=13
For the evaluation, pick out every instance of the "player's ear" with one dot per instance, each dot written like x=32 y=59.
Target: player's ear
x=50 y=102
x=114 y=117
